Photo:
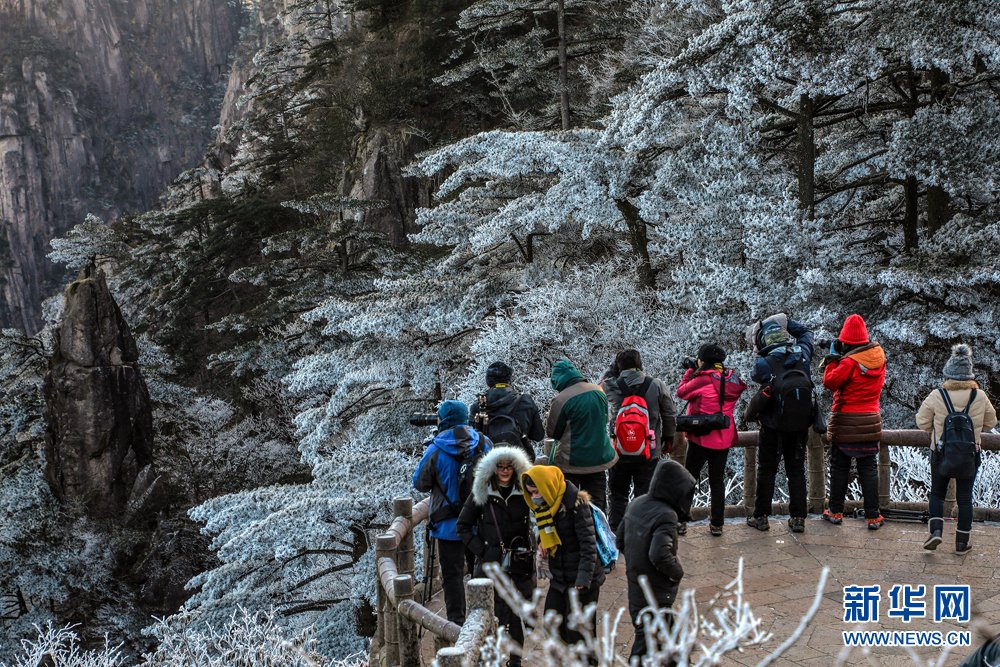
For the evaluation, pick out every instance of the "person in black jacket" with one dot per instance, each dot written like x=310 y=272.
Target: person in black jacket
x=513 y=417
x=648 y=539
x=568 y=539
x=496 y=519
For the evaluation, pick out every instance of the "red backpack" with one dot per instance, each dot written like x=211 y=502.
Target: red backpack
x=633 y=437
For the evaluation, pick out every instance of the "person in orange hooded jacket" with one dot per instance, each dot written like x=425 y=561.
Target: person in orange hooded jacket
x=855 y=371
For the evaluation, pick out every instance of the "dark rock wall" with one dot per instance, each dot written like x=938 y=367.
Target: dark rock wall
x=102 y=104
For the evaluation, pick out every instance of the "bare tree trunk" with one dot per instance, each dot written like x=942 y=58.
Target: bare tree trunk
x=563 y=74
x=911 y=194
x=637 y=238
x=938 y=208
x=807 y=157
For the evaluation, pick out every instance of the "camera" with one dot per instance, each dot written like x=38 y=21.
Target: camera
x=424 y=419
x=480 y=420
x=689 y=362
x=830 y=345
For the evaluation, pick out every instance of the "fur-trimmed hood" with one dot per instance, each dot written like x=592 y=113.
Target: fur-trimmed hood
x=958 y=385
x=486 y=470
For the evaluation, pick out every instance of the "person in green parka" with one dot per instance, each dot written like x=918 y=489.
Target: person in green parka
x=578 y=420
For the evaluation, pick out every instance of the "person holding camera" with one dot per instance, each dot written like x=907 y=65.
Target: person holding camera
x=578 y=422
x=441 y=472
x=784 y=351
x=648 y=539
x=854 y=371
x=709 y=388
x=510 y=416
x=568 y=539
x=495 y=525
x=959 y=395
x=652 y=409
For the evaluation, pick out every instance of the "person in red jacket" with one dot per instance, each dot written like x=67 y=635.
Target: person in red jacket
x=700 y=387
x=855 y=371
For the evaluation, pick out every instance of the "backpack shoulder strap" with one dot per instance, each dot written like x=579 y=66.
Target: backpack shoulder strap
x=640 y=390
x=947 y=400
x=972 y=397
x=775 y=366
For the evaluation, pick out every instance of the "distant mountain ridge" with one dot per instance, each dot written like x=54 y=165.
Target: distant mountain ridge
x=102 y=104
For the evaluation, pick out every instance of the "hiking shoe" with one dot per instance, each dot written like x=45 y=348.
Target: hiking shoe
x=835 y=519
x=797 y=524
x=715 y=530
x=875 y=524
x=962 y=548
x=932 y=542
x=758 y=522
x=682 y=529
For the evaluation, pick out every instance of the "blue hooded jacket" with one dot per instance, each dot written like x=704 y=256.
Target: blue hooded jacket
x=439 y=471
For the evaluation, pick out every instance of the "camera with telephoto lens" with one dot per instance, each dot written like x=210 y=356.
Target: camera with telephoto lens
x=689 y=362
x=424 y=419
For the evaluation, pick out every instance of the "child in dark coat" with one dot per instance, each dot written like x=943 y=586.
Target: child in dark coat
x=648 y=538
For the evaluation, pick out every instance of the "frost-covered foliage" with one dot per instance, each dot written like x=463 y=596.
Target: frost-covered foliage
x=814 y=157
x=694 y=637
x=250 y=639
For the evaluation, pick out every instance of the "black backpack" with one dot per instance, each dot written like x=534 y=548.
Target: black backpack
x=504 y=429
x=466 y=478
x=791 y=396
x=957 y=450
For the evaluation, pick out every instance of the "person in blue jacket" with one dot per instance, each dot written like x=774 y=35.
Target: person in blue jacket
x=440 y=473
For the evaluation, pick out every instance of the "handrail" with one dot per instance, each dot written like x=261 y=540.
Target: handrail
x=397 y=641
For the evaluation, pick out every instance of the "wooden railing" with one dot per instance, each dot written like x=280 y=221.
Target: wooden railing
x=816 y=474
x=397 y=634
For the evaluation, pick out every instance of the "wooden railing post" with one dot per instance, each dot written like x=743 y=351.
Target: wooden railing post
x=816 y=467
x=385 y=547
x=678 y=451
x=409 y=640
x=884 y=476
x=749 y=479
x=404 y=550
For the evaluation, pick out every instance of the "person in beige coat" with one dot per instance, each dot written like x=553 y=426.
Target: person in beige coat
x=959 y=384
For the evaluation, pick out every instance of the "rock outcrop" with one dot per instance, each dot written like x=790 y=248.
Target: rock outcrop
x=102 y=104
x=99 y=417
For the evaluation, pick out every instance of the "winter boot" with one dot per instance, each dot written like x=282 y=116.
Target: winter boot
x=875 y=524
x=682 y=529
x=758 y=522
x=715 y=530
x=835 y=519
x=962 y=548
x=932 y=542
x=797 y=524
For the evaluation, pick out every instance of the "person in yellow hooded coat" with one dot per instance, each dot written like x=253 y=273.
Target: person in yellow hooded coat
x=567 y=537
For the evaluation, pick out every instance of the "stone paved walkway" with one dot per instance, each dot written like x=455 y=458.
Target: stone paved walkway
x=782 y=569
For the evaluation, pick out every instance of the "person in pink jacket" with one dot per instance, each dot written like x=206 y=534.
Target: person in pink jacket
x=700 y=387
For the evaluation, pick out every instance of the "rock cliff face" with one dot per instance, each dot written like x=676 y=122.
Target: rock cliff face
x=100 y=420
x=102 y=104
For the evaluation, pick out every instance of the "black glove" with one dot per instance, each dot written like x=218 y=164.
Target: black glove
x=831 y=358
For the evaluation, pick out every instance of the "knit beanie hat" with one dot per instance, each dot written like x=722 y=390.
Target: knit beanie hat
x=854 y=332
x=498 y=373
x=772 y=333
x=959 y=366
x=452 y=414
x=627 y=359
x=711 y=353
